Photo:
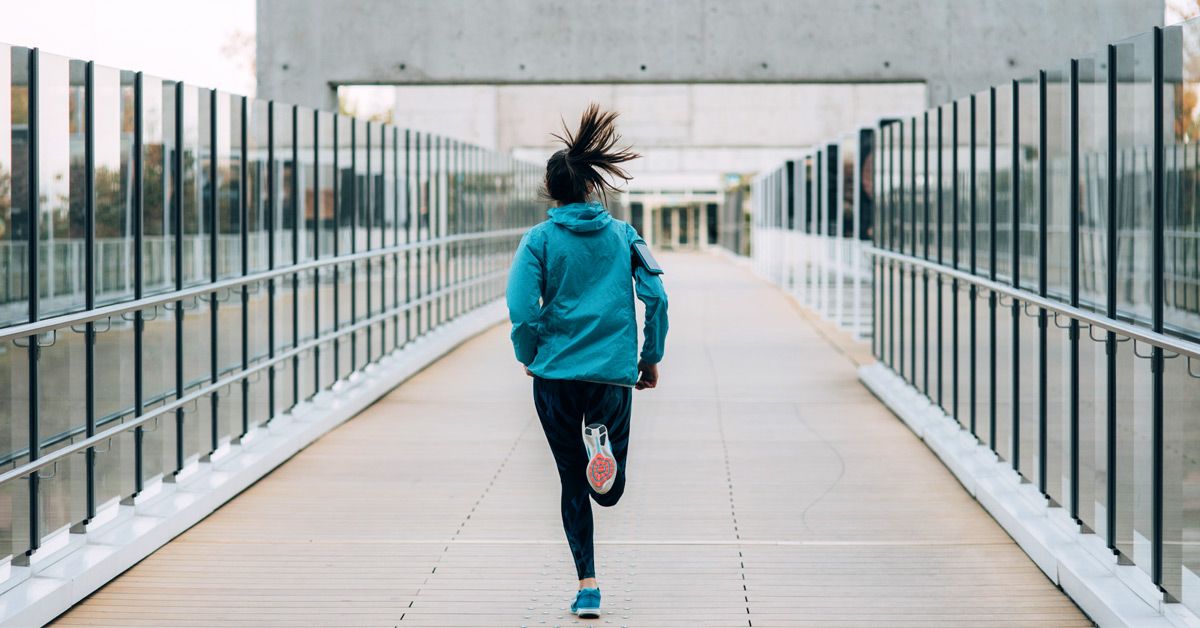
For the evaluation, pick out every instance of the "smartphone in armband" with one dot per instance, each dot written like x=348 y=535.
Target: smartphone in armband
x=642 y=257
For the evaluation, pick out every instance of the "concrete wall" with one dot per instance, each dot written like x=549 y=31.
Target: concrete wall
x=688 y=135
x=955 y=46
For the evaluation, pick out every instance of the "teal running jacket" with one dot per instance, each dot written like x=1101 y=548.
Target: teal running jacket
x=570 y=299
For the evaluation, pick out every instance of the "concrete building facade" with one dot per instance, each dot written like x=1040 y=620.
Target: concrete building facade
x=706 y=88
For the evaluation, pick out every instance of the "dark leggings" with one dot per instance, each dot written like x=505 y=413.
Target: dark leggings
x=564 y=406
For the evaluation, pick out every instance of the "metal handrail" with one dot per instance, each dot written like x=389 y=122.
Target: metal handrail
x=1162 y=341
x=116 y=309
x=58 y=455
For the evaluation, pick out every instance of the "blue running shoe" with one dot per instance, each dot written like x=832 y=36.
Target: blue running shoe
x=602 y=467
x=587 y=603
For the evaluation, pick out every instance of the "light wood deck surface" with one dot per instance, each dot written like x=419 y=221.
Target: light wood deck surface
x=767 y=487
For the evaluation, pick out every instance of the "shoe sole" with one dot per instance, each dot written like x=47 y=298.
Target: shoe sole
x=602 y=468
x=588 y=613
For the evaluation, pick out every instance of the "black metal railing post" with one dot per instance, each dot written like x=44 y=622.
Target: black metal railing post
x=1015 y=243
x=214 y=252
x=1156 y=297
x=177 y=218
x=35 y=441
x=1110 y=515
x=1043 y=281
x=89 y=279
x=993 y=350
x=1073 y=210
x=244 y=250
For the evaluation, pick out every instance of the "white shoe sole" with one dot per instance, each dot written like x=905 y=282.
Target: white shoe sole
x=602 y=466
x=588 y=613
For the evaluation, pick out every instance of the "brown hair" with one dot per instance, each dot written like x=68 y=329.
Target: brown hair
x=590 y=155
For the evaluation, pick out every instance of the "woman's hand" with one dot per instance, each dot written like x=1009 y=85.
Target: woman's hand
x=527 y=372
x=647 y=376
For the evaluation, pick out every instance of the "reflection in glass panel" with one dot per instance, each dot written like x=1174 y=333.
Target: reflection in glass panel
x=1135 y=140
x=158 y=223
x=14 y=110
x=1058 y=181
x=1002 y=158
x=963 y=165
x=1181 y=254
x=1093 y=180
x=983 y=180
x=257 y=133
x=112 y=140
x=1181 y=306
x=195 y=218
x=361 y=227
x=1134 y=215
x=61 y=202
x=62 y=373
x=158 y=386
x=325 y=218
x=229 y=184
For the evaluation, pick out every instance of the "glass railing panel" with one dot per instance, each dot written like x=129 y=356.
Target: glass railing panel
x=14 y=445
x=1135 y=139
x=1001 y=158
x=981 y=210
x=61 y=206
x=1181 y=254
x=966 y=379
x=1181 y=472
x=1093 y=431
x=159 y=364
x=158 y=185
x=1007 y=339
x=1058 y=411
x=1028 y=407
x=14 y=129
x=197 y=372
x=962 y=165
x=196 y=226
x=114 y=371
x=1134 y=464
x=1058 y=180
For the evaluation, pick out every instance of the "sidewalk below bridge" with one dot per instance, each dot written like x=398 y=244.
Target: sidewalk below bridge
x=767 y=487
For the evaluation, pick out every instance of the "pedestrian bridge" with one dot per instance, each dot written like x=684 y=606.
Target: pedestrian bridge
x=768 y=487
x=941 y=370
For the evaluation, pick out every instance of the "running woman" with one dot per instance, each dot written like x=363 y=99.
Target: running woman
x=570 y=299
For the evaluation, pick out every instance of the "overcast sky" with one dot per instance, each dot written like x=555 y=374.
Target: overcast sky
x=203 y=42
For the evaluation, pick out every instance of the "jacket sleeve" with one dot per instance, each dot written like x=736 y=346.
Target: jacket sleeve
x=653 y=296
x=524 y=295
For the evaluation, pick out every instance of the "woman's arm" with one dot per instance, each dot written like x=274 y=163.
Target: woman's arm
x=524 y=294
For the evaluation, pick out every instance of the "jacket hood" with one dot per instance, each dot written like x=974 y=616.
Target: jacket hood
x=581 y=217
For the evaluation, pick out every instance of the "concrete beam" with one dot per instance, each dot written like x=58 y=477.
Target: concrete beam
x=306 y=47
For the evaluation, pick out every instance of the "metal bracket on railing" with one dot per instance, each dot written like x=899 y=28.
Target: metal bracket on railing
x=1025 y=305
x=43 y=476
x=213 y=296
x=1057 y=315
x=100 y=451
x=156 y=424
x=1095 y=339
x=107 y=325
x=1190 y=372
x=1135 y=351
x=147 y=316
x=53 y=334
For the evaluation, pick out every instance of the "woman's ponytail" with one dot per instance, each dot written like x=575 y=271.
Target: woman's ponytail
x=589 y=160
